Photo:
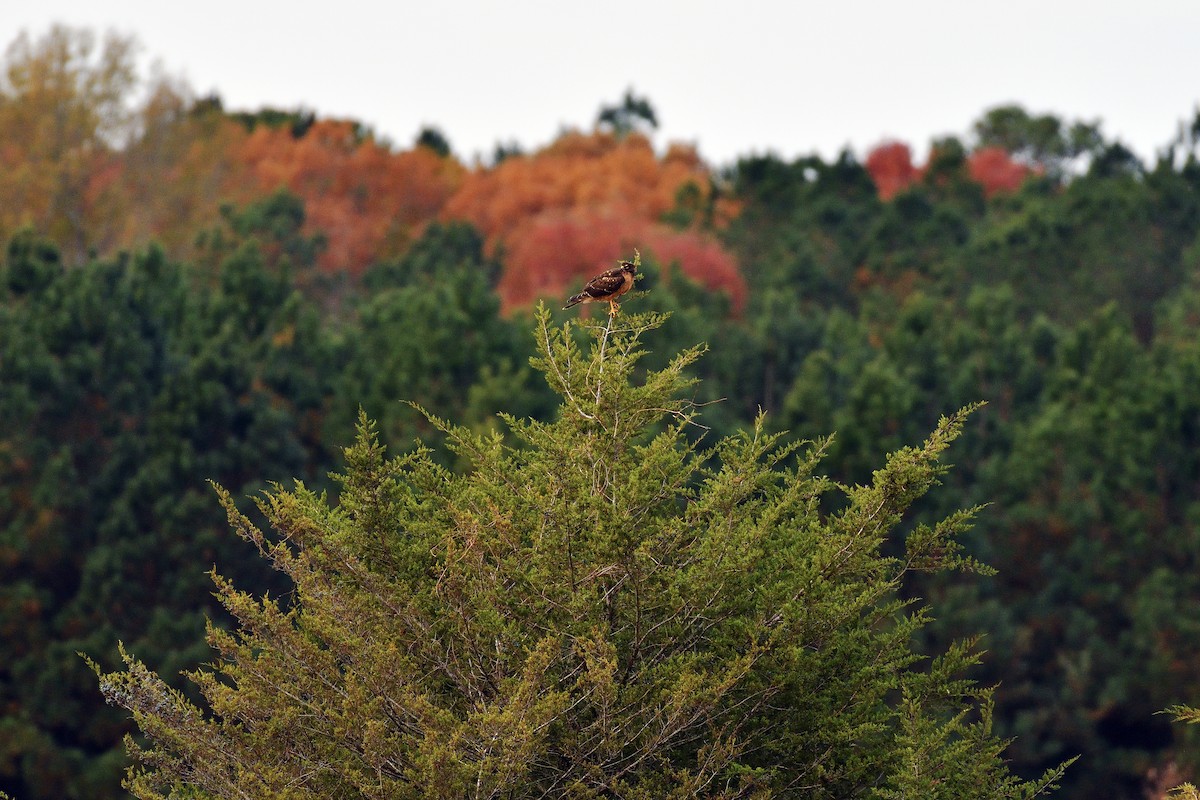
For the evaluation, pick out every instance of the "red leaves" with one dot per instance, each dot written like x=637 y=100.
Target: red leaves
x=559 y=250
x=891 y=168
x=996 y=171
x=702 y=259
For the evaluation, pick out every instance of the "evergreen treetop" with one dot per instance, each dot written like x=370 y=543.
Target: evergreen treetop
x=607 y=608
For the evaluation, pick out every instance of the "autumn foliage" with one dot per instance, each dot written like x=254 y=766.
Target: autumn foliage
x=891 y=168
x=368 y=200
x=60 y=110
x=571 y=209
x=996 y=171
x=82 y=164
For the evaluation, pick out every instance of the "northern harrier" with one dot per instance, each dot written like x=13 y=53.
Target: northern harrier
x=607 y=286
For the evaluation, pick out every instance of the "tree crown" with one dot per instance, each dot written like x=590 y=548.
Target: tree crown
x=605 y=608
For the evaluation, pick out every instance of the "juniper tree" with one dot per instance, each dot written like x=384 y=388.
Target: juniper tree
x=1190 y=716
x=608 y=608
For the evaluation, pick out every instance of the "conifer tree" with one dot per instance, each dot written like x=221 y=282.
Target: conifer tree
x=607 y=609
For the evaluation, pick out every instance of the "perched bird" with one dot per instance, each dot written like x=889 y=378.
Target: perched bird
x=606 y=286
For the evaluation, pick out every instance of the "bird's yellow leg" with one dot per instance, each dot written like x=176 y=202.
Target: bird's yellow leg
x=613 y=309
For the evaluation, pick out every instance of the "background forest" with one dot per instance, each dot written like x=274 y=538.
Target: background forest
x=189 y=293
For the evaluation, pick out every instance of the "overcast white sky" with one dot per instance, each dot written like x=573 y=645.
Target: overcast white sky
x=733 y=78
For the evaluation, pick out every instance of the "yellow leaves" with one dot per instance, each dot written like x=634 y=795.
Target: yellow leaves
x=284 y=337
x=62 y=112
x=66 y=97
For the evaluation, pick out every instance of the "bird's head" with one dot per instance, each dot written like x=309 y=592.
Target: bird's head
x=628 y=266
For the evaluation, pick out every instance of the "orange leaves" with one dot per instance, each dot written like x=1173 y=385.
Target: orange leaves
x=179 y=172
x=595 y=171
x=581 y=203
x=97 y=172
x=368 y=200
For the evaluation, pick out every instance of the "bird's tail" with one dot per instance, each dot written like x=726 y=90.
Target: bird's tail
x=575 y=300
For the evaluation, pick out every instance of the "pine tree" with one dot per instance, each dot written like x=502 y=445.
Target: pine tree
x=606 y=609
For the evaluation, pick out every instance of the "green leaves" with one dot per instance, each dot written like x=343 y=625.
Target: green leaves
x=127 y=384
x=601 y=607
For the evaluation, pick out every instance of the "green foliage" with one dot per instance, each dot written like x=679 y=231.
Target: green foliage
x=1039 y=139
x=126 y=385
x=632 y=114
x=435 y=140
x=429 y=331
x=270 y=231
x=297 y=121
x=129 y=383
x=698 y=315
x=1189 y=716
x=1070 y=306
x=605 y=610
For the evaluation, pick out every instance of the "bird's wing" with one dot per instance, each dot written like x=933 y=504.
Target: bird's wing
x=605 y=283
